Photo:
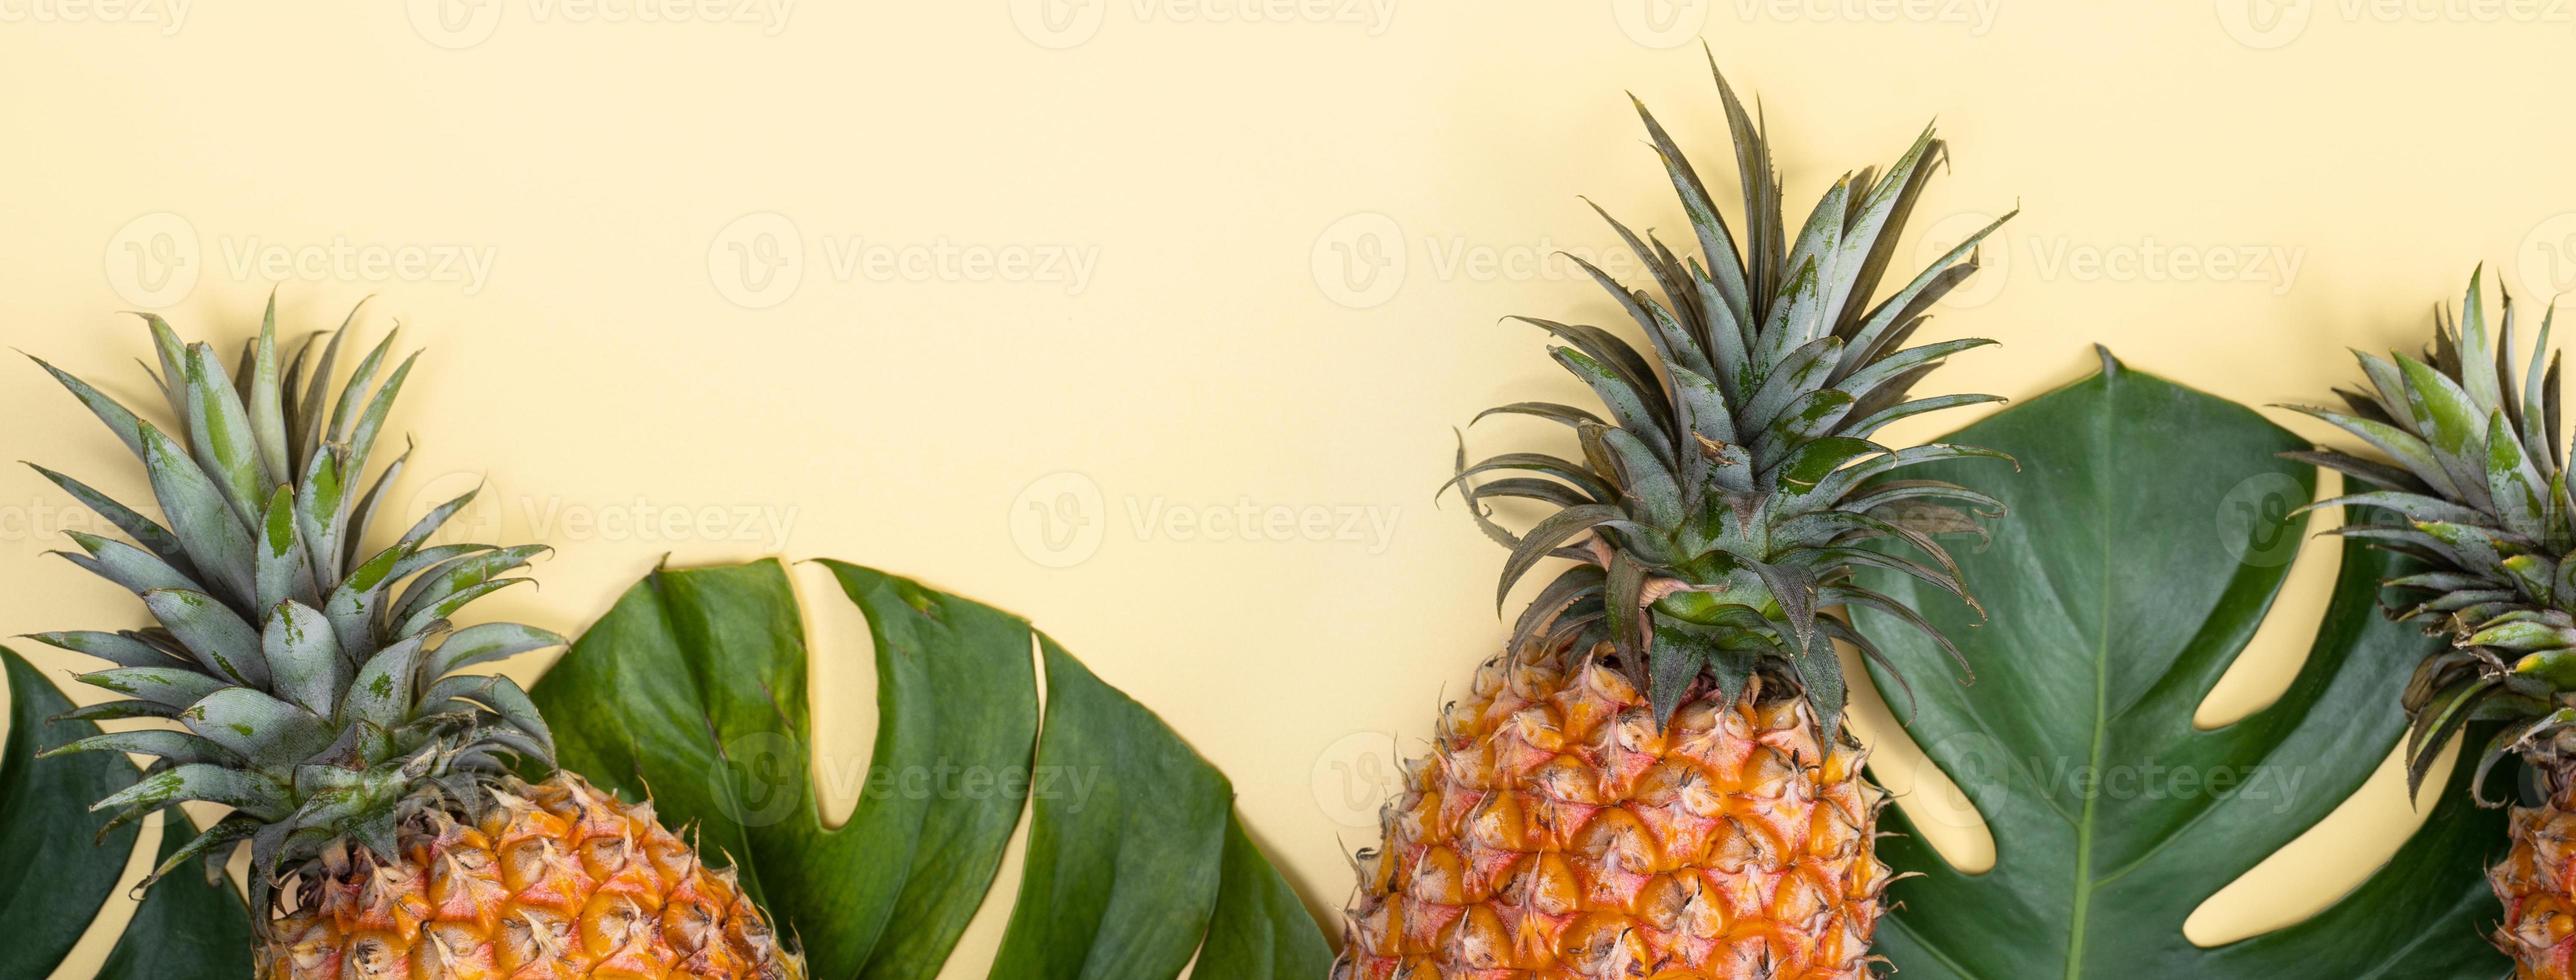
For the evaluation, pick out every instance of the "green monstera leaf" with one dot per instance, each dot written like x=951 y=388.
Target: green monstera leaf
x=2147 y=540
x=60 y=871
x=694 y=688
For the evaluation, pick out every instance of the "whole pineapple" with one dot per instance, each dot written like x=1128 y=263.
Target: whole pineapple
x=316 y=690
x=1652 y=779
x=2469 y=480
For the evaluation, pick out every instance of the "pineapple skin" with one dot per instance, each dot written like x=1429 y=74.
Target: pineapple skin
x=1555 y=831
x=2537 y=883
x=556 y=880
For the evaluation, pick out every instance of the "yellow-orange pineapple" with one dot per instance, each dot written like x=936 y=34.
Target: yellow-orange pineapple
x=1561 y=832
x=312 y=683
x=558 y=879
x=2469 y=480
x=1652 y=780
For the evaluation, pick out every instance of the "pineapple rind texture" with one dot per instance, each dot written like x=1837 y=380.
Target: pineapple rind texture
x=1557 y=831
x=557 y=879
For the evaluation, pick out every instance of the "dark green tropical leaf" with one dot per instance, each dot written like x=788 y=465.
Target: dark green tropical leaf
x=61 y=873
x=1259 y=929
x=2146 y=544
x=186 y=926
x=1124 y=839
x=694 y=687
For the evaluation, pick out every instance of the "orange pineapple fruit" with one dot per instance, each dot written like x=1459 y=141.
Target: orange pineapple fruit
x=1561 y=832
x=310 y=680
x=558 y=879
x=1652 y=780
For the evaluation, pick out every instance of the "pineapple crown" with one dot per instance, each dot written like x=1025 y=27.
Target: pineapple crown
x=1717 y=515
x=314 y=683
x=2470 y=482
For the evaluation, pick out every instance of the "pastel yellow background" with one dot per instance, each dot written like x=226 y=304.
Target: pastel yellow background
x=1038 y=300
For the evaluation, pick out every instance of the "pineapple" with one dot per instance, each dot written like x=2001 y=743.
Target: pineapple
x=2469 y=481
x=1652 y=779
x=315 y=688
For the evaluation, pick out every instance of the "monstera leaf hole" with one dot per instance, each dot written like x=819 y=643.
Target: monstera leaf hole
x=843 y=700
x=2158 y=745
x=844 y=714
x=1070 y=826
x=2362 y=833
x=2342 y=851
x=2304 y=876
x=839 y=635
x=2279 y=647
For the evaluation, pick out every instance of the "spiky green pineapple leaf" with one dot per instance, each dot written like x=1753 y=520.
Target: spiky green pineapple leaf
x=2145 y=546
x=61 y=873
x=694 y=687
